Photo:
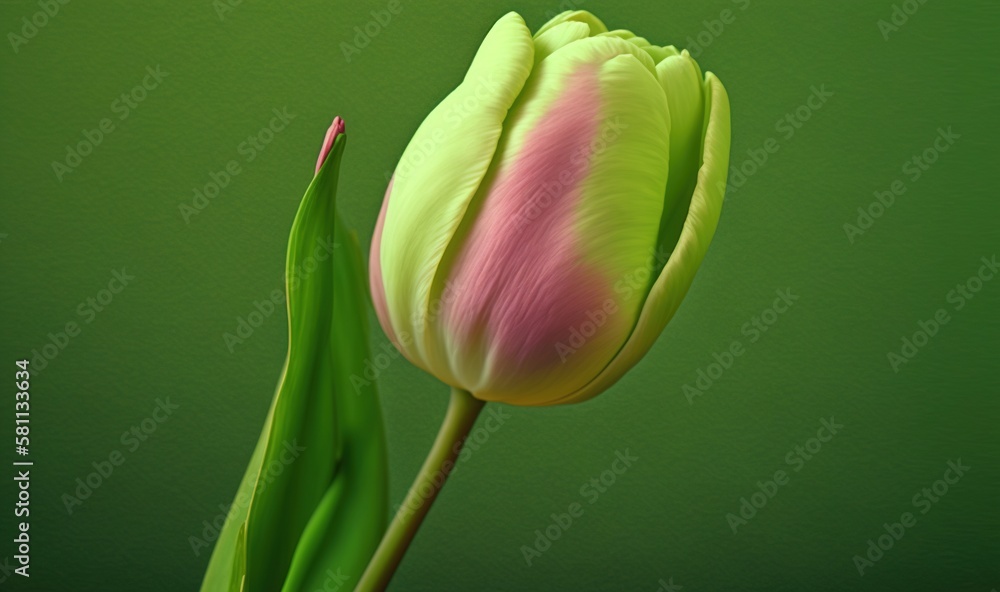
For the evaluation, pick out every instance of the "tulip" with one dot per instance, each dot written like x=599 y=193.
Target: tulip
x=545 y=222
x=548 y=217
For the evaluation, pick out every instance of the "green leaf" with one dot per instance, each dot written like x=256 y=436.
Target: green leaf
x=313 y=504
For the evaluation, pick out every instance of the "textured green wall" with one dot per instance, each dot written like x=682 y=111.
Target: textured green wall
x=664 y=521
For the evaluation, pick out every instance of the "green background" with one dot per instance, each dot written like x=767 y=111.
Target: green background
x=664 y=518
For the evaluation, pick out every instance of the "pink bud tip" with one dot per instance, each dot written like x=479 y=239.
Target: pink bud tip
x=336 y=128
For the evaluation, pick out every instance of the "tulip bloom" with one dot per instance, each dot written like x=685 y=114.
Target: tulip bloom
x=548 y=217
x=543 y=225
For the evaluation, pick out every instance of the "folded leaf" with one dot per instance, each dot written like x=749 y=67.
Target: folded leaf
x=313 y=504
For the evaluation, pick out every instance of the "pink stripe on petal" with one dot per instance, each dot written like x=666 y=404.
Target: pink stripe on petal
x=375 y=273
x=520 y=276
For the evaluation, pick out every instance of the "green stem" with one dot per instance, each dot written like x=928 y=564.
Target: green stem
x=463 y=409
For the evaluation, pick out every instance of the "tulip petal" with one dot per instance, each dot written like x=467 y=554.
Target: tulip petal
x=673 y=282
x=376 y=285
x=439 y=173
x=581 y=16
x=682 y=82
x=572 y=208
x=630 y=174
x=657 y=53
x=640 y=42
x=559 y=36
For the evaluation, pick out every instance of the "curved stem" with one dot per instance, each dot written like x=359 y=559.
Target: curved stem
x=463 y=409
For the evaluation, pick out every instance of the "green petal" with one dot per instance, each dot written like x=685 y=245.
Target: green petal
x=581 y=16
x=673 y=282
x=682 y=82
x=439 y=173
x=661 y=53
x=626 y=35
x=558 y=37
x=622 y=199
x=657 y=53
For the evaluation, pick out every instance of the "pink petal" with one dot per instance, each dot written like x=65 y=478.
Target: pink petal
x=336 y=128
x=520 y=276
